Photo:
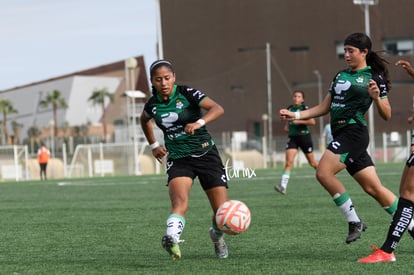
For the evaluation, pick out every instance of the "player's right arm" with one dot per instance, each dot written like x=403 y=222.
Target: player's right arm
x=147 y=127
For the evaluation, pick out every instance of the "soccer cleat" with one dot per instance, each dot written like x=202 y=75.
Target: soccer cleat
x=220 y=247
x=280 y=189
x=172 y=247
x=379 y=256
x=355 y=231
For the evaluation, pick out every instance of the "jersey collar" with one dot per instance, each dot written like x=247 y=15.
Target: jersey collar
x=360 y=70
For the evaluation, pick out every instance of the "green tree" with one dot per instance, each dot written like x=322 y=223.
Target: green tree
x=80 y=134
x=6 y=108
x=16 y=131
x=34 y=132
x=98 y=97
x=56 y=100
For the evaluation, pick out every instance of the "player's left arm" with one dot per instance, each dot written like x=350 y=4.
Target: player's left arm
x=213 y=111
x=379 y=96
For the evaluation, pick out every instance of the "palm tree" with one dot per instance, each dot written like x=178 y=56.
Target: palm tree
x=57 y=101
x=16 y=131
x=34 y=132
x=6 y=107
x=98 y=98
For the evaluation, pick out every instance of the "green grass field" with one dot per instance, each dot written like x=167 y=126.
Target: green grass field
x=114 y=225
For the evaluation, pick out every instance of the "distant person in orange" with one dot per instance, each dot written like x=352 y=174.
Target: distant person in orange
x=43 y=155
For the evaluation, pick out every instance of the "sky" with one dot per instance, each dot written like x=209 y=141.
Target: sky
x=41 y=39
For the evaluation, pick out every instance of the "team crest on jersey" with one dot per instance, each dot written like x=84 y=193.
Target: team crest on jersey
x=154 y=110
x=360 y=79
x=178 y=104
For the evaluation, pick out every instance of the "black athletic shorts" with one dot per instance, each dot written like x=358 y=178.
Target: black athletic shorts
x=43 y=166
x=351 y=143
x=303 y=142
x=208 y=168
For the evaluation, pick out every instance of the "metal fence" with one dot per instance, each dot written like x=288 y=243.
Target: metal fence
x=110 y=159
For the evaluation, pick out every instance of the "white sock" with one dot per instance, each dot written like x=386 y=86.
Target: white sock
x=175 y=226
x=344 y=203
x=349 y=211
x=285 y=180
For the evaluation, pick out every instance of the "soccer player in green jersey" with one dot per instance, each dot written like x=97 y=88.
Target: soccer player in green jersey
x=299 y=137
x=401 y=220
x=350 y=95
x=182 y=114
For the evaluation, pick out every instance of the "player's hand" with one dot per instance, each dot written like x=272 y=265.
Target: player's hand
x=159 y=153
x=191 y=127
x=373 y=89
x=286 y=115
x=406 y=65
x=410 y=119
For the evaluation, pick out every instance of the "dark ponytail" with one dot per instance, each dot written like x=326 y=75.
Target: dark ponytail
x=377 y=63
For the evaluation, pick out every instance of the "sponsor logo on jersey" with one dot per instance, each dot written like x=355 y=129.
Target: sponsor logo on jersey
x=168 y=119
x=342 y=85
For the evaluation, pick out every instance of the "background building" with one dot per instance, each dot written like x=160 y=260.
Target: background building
x=219 y=46
x=247 y=55
x=75 y=89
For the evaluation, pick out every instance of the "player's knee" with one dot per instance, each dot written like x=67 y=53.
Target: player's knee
x=322 y=176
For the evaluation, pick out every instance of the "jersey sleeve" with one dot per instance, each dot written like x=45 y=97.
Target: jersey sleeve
x=382 y=84
x=194 y=96
x=147 y=113
x=331 y=87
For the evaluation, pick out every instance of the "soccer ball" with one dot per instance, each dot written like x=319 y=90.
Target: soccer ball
x=233 y=217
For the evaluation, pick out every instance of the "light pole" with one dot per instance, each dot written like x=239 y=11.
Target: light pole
x=52 y=137
x=160 y=50
x=265 y=118
x=133 y=95
x=269 y=89
x=269 y=97
x=130 y=66
x=371 y=128
x=319 y=77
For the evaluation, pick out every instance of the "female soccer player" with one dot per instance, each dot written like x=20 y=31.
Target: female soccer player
x=299 y=137
x=177 y=111
x=402 y=218
x=351 y=93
